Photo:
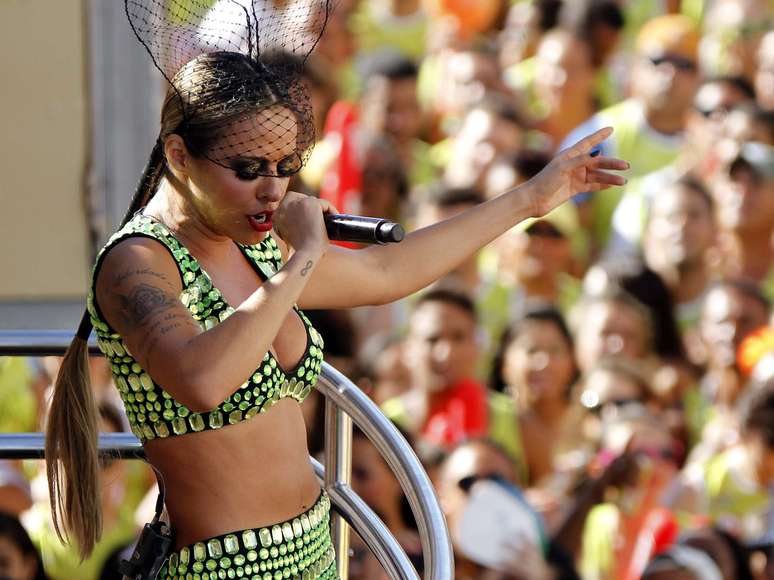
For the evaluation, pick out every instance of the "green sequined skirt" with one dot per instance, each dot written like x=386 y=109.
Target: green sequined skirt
x=297 y=548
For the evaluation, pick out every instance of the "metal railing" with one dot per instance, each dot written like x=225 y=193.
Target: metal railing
x=345 y=404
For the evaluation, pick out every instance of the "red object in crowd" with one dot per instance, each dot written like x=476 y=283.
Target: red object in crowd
x=472 y=16
x=458 y=413
x=342 y=184
x=659 y=532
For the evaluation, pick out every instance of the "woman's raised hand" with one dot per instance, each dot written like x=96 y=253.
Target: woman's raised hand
x=574 y=171
x=299 y=221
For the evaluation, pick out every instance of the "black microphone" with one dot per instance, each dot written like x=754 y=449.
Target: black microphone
x=361 y=229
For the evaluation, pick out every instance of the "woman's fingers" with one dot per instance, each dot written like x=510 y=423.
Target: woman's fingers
x=599 y=163
x=602 y=177
x=588 y=143
x=608 y=163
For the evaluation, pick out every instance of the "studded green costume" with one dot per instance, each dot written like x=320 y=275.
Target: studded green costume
x=152 y=412
x=300 y=547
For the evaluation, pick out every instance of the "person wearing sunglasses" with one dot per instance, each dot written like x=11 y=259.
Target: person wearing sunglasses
x=650 y=124
x=716 y=100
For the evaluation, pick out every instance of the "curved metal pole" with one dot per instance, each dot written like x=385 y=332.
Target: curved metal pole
x=436 y=545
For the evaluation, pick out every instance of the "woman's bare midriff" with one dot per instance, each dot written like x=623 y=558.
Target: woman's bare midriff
x=241 y=476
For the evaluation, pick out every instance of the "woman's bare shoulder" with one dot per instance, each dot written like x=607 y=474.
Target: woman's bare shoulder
x=135 y=265
x=137 y=256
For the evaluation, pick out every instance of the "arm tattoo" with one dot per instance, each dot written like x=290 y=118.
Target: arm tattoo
x=160 y=327
x=306 y=268
x=143 y=302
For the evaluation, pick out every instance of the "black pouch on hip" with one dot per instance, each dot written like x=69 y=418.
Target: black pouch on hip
x=152 y=546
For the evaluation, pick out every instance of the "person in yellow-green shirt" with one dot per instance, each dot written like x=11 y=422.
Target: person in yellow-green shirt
x=399 y=25
x=535 y=366
x=716 y=101
x=560 y=88
x=534 y=263
x=649 y=125
x=732 y=487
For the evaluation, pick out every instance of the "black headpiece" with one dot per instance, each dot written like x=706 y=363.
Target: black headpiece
x=235 y=67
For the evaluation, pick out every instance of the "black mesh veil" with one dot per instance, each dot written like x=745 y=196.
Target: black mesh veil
x=235 y=67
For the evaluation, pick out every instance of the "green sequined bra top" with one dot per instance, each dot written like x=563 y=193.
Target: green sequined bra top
x=152 y=412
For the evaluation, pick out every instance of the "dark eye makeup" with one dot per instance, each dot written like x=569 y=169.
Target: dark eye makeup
x=290 y=165
x=249 y=169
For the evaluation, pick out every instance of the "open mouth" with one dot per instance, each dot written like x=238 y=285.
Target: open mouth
x=261 y=221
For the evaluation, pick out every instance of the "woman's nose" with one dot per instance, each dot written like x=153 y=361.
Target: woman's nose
x=272 y=189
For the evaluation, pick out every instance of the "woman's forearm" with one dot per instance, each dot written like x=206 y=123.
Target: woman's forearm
x=429 y=253
x=381 y=274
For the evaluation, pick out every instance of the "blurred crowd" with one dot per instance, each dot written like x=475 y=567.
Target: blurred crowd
x=593 y=393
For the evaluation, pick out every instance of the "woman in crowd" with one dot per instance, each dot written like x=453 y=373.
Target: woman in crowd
x=536 y=365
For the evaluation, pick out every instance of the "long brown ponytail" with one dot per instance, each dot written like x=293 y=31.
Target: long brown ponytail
x=72 y=458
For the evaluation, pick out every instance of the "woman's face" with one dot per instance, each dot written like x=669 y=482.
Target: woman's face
x=238 y=201
x=539 y=361
x=14 y=564
x=728 y=316
x=610 y=328
x=745 y=199
x=681 y=228
x=564 y=72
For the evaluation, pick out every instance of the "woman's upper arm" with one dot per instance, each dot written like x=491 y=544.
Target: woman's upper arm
x=137 y=290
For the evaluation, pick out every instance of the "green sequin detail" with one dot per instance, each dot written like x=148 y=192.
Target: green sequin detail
x=148 y=417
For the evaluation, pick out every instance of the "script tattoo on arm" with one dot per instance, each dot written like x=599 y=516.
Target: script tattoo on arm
x=163 y=325
x=306 y=268
x=124 y=276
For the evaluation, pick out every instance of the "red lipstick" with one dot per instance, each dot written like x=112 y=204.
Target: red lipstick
x=261 y=221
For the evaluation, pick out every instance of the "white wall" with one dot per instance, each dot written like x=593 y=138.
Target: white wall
x=43 y=143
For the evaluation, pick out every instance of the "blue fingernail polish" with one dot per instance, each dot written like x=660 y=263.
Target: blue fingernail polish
x=595 y=152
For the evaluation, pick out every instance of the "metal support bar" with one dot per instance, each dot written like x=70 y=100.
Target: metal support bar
x=33 y=446
x=338 y=471
x=39 y=343
x=436 y=544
